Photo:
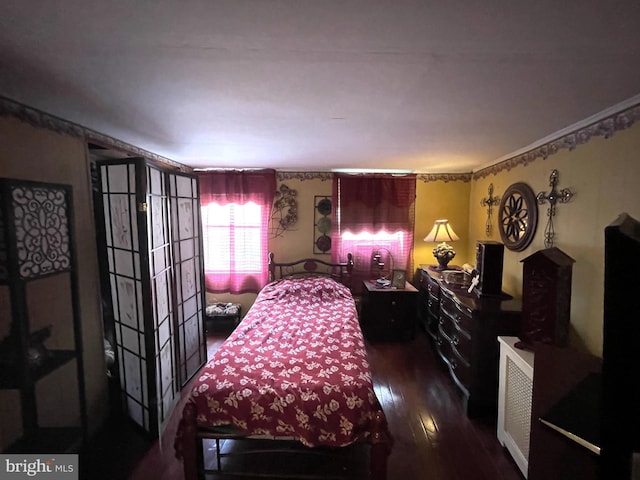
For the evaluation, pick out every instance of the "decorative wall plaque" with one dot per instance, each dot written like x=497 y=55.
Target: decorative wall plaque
x=518 y=216
x=322 y=214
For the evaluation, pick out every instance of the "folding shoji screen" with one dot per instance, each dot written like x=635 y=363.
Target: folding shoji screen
x=154 y=262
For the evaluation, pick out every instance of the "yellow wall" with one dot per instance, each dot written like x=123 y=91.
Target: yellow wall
x=604 y=174
x=297 y=242
x=436 y=200
x=294 y=243
x=42 y=155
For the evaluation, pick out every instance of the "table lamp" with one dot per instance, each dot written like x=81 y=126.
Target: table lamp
x=442 y=233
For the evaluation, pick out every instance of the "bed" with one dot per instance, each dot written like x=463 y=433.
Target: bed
x=295 y=368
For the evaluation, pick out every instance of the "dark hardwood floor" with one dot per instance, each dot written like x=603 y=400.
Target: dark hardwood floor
x=433 y=437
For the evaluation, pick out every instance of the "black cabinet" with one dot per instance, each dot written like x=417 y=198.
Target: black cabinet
x=41 y=346
x=388 y=313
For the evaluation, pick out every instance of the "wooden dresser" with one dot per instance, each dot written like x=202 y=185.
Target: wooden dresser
x=465 y=329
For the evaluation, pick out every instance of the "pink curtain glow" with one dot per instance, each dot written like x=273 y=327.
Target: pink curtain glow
x=236 y=206
x=374 y=213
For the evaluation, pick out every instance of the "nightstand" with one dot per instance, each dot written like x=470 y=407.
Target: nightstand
x=388 y=313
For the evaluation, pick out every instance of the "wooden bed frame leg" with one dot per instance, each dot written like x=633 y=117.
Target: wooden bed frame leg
x=381 y=443
x=190 y=443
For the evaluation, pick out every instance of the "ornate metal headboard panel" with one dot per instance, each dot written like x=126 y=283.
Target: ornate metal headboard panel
x=310 y=267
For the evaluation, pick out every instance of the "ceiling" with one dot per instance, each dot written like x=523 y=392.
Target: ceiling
x=423 y=85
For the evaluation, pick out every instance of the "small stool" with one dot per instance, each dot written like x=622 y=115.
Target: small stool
x=222 y=316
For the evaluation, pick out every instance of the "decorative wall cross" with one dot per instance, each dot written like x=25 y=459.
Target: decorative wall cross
x=553 y=197
x=489 y=202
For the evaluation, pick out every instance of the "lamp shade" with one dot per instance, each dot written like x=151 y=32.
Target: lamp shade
x=441 y=232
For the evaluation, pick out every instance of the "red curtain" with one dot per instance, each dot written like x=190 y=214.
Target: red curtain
x=375 y=214
x=243 y=249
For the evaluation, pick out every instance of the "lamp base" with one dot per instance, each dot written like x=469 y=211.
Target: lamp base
x=442 y=264
x=443 y=253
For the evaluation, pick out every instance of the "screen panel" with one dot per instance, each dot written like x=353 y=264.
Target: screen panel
x=185 y=225
x=166 y=382
x=118 y=185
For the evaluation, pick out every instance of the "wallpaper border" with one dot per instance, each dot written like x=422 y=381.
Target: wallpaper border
x=424 y=177
x=40 y=119
x=604 y=127
x=302 y=176
x=444 y=177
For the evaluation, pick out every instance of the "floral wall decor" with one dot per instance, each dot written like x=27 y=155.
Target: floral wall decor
x=284 y=214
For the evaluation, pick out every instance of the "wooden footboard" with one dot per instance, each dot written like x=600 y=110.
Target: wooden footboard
x=189 y=446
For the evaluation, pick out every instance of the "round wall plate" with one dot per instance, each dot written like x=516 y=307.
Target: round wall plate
x=518 y=216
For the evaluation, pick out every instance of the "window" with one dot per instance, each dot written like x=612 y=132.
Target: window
x=235 y=207
x=375 y=216
x=232 y=238
x=363 y=245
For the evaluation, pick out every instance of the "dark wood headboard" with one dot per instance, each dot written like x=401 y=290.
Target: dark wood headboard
x=308 y=267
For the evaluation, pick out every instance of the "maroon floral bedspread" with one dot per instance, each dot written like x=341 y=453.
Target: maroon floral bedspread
x=296 y=366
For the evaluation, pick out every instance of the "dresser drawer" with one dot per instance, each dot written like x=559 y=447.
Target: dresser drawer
x=459 y=367
x=433 y=305
x=459 y=315
x=430 y=285
x=459 y=339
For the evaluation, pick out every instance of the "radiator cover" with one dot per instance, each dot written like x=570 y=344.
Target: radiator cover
x=514 y=400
